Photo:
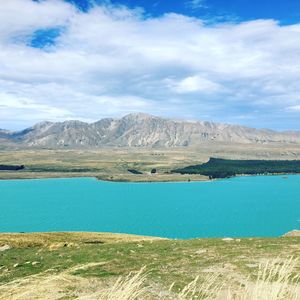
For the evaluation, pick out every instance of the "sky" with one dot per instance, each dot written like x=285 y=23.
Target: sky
x=231 y=61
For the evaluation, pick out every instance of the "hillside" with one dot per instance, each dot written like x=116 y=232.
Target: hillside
x=139 y=130
x=85 y=265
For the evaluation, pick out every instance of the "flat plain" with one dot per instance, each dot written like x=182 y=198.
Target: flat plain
x=114 y=163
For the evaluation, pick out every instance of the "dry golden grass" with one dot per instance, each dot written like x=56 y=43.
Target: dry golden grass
x=46 y=286
x=275 y=281
x=65 y=239
x=209 y=288
x=130 y=287
x=95 y=266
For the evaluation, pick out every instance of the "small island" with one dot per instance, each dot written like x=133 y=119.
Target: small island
x=225 y=168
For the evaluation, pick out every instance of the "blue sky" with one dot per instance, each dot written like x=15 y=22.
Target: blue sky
x=233 y=61
x=287 y=12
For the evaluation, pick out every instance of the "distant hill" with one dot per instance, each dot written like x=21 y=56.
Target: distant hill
x=140 y=130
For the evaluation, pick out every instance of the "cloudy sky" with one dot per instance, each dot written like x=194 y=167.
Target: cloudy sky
x=233 y=61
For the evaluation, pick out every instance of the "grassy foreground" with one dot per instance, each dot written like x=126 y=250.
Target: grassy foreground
x=113 y=266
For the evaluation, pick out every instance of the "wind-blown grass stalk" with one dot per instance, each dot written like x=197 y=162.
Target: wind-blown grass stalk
x=208 y=289
x=128 y=288
x=275 y=281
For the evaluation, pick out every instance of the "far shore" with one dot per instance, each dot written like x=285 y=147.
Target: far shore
x=117 y=164
x=130 y=178
x=5 y=175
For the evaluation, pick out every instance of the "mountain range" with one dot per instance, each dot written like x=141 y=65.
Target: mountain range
x=140 y=130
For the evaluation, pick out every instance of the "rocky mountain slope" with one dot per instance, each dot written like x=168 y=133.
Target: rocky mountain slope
x=140 y=130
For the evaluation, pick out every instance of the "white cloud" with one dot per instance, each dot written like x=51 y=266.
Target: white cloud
x=295 y=108
x=113 y=60
x=195 y=3
x=196 y=83
x=22 y=17
x=30 y=109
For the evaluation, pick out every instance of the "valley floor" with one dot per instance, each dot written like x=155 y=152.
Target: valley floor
x=113 y=163
x=89 y=265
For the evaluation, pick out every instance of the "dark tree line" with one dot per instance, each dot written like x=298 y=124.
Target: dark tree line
x=223 y=168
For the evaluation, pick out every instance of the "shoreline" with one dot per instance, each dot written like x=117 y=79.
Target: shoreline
x=130 y=178
x=122 y=178
x=295 y=233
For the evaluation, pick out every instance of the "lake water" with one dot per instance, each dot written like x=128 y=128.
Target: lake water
x=239 y=207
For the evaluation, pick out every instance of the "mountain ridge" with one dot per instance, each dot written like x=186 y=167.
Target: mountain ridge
x=141 y=130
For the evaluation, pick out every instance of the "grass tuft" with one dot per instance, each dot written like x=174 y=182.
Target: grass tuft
x=275 y=281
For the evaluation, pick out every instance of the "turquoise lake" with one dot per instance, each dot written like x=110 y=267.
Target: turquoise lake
x=262 y=206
